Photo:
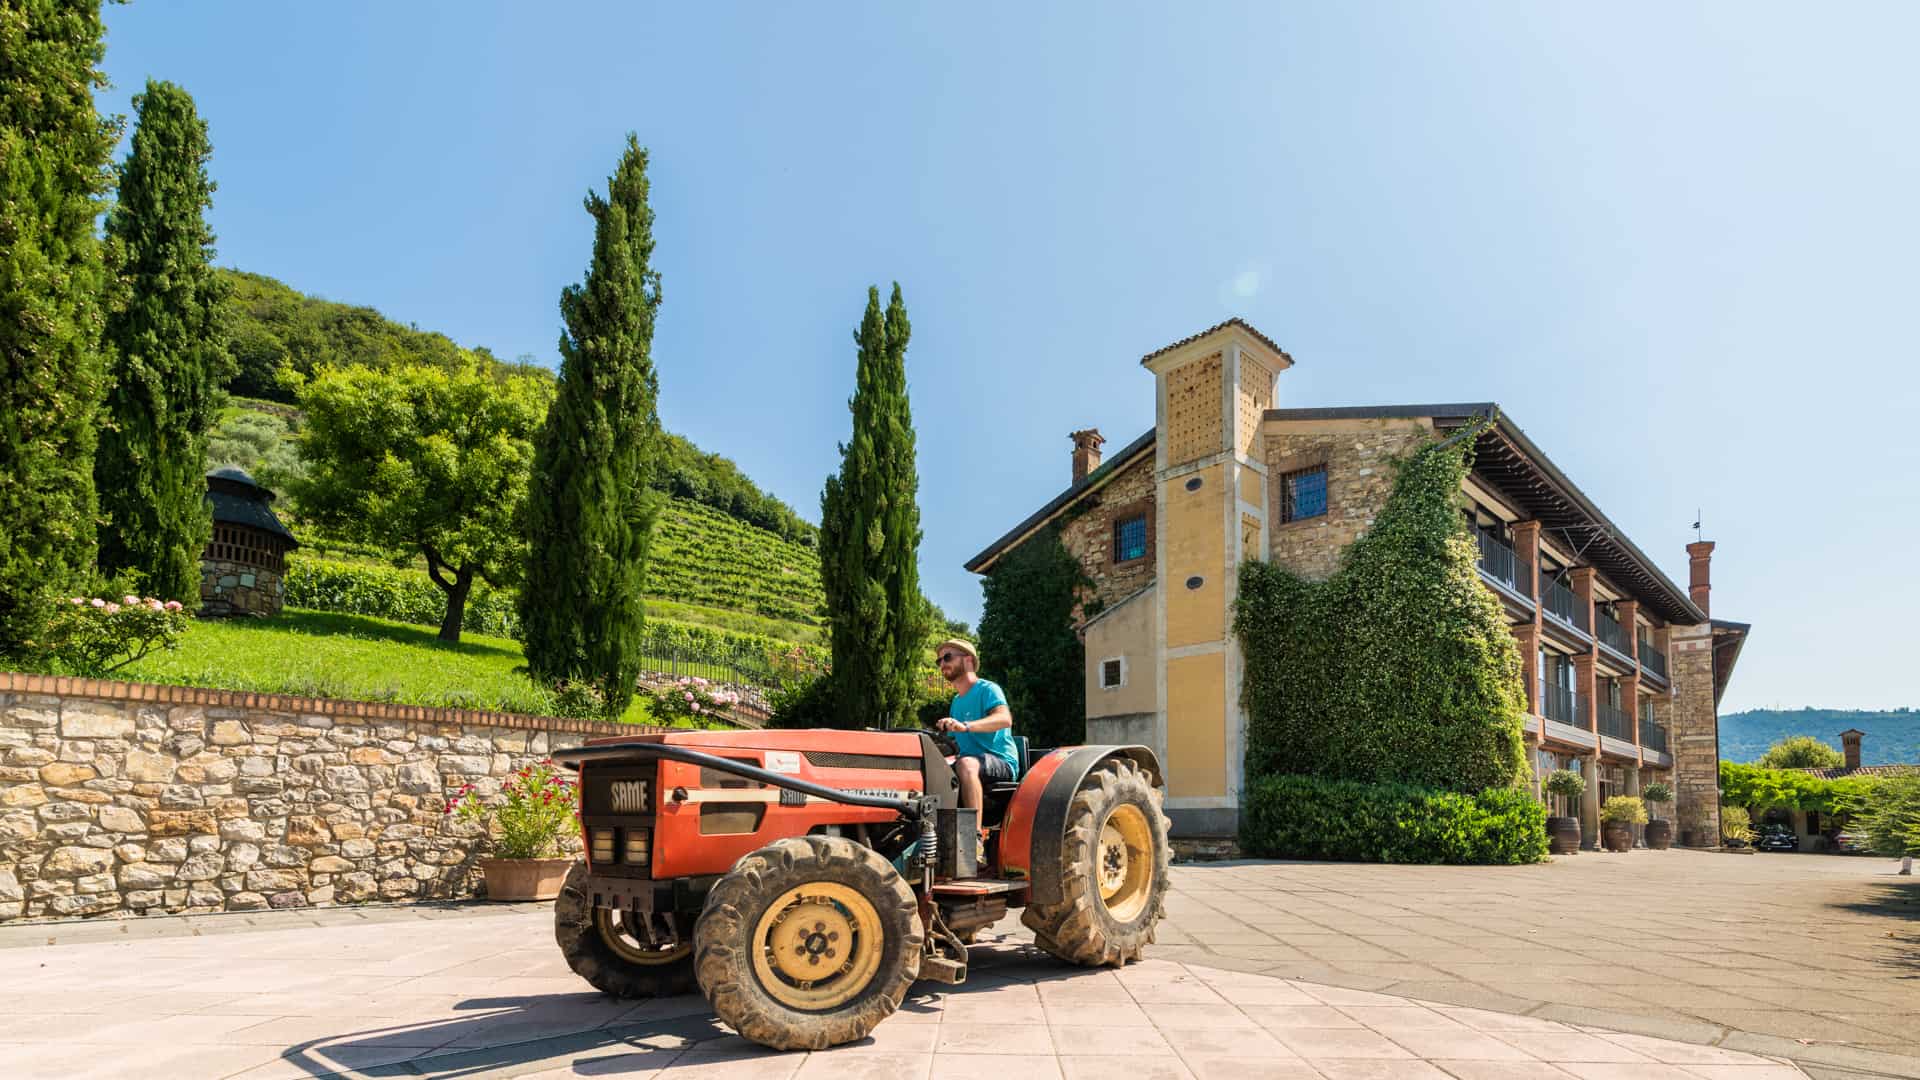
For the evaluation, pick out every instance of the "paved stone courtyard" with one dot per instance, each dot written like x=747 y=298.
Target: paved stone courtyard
x=1266 y=970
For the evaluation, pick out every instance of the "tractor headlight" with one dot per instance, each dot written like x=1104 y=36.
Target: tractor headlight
x=601 y=846
x=639 y=842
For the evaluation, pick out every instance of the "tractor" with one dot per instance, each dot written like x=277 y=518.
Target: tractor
x=803 y=880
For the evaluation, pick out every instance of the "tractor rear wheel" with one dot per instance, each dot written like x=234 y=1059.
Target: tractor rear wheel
x=808 y=943
x=628 y=954
x=1112 y=872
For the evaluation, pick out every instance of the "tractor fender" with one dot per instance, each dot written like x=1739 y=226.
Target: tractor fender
x=1035 y=827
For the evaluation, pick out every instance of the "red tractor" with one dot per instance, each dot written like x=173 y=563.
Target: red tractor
x=804 y=879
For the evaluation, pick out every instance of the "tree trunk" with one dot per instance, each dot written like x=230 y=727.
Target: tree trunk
x=456 y=604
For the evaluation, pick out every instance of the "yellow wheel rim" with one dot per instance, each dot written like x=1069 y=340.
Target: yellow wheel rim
x=625 y=933
x=818 y=946
x=1123 y=862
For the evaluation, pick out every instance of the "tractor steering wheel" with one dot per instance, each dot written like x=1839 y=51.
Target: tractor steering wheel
x=949 y=746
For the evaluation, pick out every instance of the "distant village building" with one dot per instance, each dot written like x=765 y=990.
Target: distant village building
x=243 y=570
x=1624 y=669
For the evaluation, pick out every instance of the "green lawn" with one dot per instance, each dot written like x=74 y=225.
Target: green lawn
x=321 y=654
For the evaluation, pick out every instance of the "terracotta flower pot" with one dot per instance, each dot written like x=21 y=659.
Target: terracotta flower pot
x=524 y=879
x=1659 y=834
x=1563 y=835
x=1616 y=836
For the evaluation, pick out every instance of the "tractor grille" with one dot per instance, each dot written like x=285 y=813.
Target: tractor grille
x=829 y=759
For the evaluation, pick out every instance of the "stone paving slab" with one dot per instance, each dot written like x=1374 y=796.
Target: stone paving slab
x=1813 y=958
x=485 y=994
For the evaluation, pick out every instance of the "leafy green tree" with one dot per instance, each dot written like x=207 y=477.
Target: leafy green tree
x=1400 y=666
x=1801 y=752
x=1890 y=816
x=167 y=358
x=261 y=443
x=1027 y=640
x=870 y=536
x=54 y=149
x=425 y=460
x=590 y=518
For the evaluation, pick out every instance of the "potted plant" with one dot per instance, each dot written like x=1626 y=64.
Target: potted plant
x=1659 y=829
x=1618 y=816
x=538 y=807
x=1563 y=833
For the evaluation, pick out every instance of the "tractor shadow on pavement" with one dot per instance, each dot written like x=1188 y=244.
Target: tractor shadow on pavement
x=590 y=1034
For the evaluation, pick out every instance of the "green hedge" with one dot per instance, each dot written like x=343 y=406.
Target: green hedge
x=353 y=588
x=1307 y=817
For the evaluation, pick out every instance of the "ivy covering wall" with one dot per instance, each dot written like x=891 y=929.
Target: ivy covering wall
x=1028 y=643
x=1399 y=667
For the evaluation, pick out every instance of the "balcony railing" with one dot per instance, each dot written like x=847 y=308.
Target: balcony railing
x=1614 y=721
x=1561 y=602
x=1563 y=705
x=1652 y=735
x=1610 y=634
x=1653 y=659
x=1497 y=559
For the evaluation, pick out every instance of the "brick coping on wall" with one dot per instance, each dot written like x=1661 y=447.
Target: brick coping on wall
x=160 y=694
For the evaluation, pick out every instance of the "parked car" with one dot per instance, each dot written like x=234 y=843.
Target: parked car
x=1850 y=843
x=1775 y=837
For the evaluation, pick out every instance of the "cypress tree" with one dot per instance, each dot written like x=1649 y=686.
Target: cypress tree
x=54 y=149
x=589 y=513
x=870 y=535
x=166 y=357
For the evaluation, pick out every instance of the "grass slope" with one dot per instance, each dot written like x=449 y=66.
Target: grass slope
x=1893 y=736
x=322 y=654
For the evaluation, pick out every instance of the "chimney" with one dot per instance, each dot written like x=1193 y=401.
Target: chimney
x=1700 y=560
x=1850 y=745
x=1086 y=452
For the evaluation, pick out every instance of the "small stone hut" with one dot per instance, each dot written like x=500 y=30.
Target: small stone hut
x=242 y=571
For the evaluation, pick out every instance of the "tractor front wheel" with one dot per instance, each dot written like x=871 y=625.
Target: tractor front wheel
x=1112 y=872
x=808 y=943
x=628 y=954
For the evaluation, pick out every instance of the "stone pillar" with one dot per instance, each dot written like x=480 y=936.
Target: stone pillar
x=1693 y=736
x=1590 y=802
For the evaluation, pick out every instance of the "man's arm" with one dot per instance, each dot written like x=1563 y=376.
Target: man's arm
x=996 y=719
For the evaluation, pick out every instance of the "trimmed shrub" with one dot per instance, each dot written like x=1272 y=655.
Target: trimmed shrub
x=1307 y=817
x=1624 y=810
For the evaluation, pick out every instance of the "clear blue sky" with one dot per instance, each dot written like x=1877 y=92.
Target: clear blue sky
x=1672 y=240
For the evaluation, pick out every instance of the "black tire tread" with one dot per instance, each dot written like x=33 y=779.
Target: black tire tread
x=592 y=959
x=1078 y=929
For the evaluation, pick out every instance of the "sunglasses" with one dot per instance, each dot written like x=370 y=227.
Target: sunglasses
x=950 y=657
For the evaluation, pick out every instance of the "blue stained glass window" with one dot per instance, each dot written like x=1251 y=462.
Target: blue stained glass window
x=1303 y=494
x=1130 y=538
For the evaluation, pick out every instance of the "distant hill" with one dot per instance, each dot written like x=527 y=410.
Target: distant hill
x=1893 y=736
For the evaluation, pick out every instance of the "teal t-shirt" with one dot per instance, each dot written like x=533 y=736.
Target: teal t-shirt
x=980 y=699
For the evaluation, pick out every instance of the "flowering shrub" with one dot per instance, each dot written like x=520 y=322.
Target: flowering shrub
x=692 y=697
x=539 y=805
x=92 y=636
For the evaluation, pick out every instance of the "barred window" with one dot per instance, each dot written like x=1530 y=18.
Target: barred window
x=1303 y=494
x=1130 y=538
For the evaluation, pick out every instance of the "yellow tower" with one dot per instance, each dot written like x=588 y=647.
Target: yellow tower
x=1211 y=394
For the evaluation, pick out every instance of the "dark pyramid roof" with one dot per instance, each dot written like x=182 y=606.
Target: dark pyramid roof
x=238 y=500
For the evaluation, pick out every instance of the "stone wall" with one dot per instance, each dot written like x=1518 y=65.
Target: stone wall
x=235 y=588
x=127 y=799
x=1089 y=536
x=1694 y=736
x=1358 y=456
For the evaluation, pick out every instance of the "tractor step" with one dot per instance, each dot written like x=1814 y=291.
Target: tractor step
x=942 y=970
x=977 y=887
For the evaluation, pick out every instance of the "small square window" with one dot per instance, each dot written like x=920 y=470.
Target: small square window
x=1113 y=673
x=1130 y=538
x=1303 y=494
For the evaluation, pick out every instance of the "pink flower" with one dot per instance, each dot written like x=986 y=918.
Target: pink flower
x=79 y=602
x=111 y=609
x=155 y=605
x=130 y=601
x=173 y=605
x=97 y=602
x=688 y=696
x=696 y=706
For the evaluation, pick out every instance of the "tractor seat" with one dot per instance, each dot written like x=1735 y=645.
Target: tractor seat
x=1002 y=790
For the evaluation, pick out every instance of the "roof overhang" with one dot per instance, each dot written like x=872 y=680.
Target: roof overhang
x=1728 y=638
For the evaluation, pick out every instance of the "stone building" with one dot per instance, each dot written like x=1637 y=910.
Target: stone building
x=1624 y=669
x=242 y=571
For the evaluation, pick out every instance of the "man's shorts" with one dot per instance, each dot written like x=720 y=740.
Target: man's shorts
x=992 y=766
